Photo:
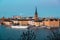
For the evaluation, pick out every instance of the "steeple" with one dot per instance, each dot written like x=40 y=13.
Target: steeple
x=36 y=11
x=36 y=15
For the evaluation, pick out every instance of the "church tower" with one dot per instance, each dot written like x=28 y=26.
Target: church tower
x=36 y=15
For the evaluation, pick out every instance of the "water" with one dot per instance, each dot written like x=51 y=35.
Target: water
x=10 y=33
x=7 y=33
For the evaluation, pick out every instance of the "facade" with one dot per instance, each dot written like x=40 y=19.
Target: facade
x=6 y=22
x=23 y=22
x=52 y=23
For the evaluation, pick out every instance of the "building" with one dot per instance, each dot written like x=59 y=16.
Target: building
x=52 y=22
x=18 y=20
x=7 y=22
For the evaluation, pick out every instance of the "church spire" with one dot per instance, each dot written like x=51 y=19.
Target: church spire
x=36 y=11
x=36 y=15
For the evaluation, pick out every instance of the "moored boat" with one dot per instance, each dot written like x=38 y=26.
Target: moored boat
x=18 y=26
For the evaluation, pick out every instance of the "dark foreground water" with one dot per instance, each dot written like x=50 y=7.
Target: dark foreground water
x=7 y=33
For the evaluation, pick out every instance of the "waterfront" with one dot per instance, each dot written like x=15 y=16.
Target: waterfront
x=29 y=20
x=7 y=33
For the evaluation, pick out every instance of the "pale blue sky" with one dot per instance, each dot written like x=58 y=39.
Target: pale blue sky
x=45 y=8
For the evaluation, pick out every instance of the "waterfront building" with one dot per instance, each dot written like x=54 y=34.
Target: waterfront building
x=36 y=21
x=6 y=21
x=52 y=22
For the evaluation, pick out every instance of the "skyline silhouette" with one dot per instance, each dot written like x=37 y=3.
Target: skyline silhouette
x=45 y=8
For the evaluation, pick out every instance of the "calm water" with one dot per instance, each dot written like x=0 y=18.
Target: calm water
x=16 y=34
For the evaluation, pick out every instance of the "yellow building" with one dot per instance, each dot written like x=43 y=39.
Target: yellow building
x=7 y=22
x=51 y=23
x=23 y=22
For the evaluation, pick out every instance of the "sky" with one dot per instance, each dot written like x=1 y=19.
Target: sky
x=45 y=8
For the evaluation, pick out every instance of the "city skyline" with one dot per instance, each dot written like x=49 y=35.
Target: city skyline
x=45 y=8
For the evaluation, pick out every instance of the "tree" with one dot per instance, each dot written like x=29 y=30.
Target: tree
x=29 y=35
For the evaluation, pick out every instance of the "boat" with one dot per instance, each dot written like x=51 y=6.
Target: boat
x=19 y=26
